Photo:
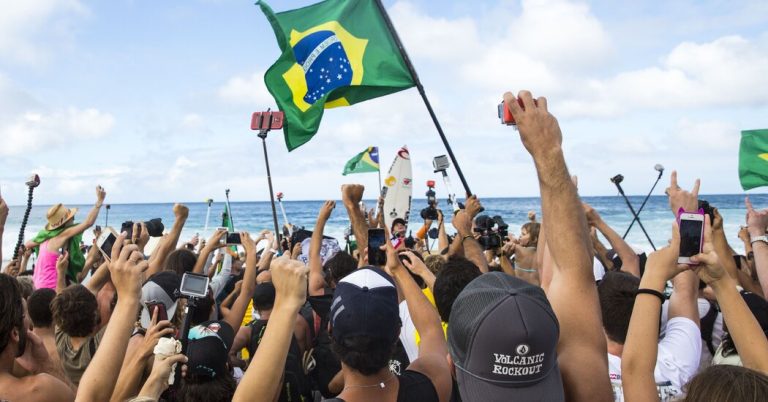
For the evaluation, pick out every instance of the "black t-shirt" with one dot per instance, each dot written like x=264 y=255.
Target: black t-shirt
x=414 y=387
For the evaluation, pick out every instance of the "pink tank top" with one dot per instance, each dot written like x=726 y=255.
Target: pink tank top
x=45 y=270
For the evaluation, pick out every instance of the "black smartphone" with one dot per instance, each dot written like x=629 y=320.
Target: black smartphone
x=376 y=239
x=233 y=238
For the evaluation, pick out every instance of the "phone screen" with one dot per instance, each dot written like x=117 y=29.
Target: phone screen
x=376 y=239
x=233 y=238
x=105 y=243
x=690 y=237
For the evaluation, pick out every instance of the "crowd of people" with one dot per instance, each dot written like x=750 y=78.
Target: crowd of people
x=551 y=315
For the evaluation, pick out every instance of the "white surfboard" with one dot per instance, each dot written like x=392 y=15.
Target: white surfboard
x=398 y=187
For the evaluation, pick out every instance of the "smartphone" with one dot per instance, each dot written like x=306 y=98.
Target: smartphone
x=223 y=239
x=376 y=239
x=162 y=313
x=267 y=120
x=691 y=236
x=233 y=238
x=506 y=116
x=106 y=241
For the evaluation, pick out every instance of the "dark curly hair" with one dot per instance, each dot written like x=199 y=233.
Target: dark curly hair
x=456 y=274
x=180 y=261
x=75 y=311
x=11 y=309
x=339 y=266
x=617 y=293
x=39 y=307
x=206 y=389
x=364 y=354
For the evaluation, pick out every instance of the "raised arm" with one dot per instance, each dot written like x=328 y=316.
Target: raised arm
x=71 y=231
x=168 y=242
x=462 y=221
x=351 y=195
x=757 y=222
x=3 y=218
x=62 y=263
x=99 y=278
x=127 y=272
x=572 y=291
x=630 y=262
x=290 y=280
x=747 y=335
x=213 y=243
x=724 y=251
x=638 y=359
x=236 y=313
x=316 y=281
x=442 y=236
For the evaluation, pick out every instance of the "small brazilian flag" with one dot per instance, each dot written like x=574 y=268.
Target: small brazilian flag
x=334 y=53
x=366 y=161
x=753 y=159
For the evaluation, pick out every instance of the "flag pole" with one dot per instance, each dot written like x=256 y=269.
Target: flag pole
x=423 y=94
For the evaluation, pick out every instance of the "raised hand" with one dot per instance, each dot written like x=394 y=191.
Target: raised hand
x=62 y=263
x=140 y=235
x=290 y=280
x=539 y=130
x=473 y=206
x=709 y=268
x=680 y=198
x=35 y=358
x=100 y=195
x=215 y=241
x=757 y=221
x=12 y=268
x=663 y=262
x=127 y=268
x=593 y=218
x=248 y=243
x=180 y=211
x=157 y=329
x=326 y=210
x=352 y=194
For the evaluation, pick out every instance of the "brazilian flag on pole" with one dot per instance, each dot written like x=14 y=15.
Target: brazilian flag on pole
x=334 y=53
x=364 y=162
x=753 y=159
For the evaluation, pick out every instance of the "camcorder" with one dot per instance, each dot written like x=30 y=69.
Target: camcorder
x=492 y=230
x=708 y=209
x=430 y=212
x=194 y=285
x=155 y=227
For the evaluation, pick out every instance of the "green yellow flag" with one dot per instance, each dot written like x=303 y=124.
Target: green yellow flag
x=364 y=162
x=753 y=159
x=334 y=53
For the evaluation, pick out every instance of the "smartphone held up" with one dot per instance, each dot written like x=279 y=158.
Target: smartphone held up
x=376 y=239
x=691 y=235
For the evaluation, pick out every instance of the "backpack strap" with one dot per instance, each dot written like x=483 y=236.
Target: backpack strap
x=708 y=326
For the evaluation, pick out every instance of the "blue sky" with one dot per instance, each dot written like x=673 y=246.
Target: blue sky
x=153 y=99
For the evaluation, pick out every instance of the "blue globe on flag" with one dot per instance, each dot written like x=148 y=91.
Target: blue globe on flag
x=325 y=64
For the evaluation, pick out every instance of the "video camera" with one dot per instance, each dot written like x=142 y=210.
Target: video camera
x=155 y=227
x=492 y=231
x=430 y=212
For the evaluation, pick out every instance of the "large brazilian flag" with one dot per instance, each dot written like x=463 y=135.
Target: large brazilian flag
x=334 y=53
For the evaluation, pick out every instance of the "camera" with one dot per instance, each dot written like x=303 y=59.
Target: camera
x=194 y=285
x=441 y=163
x=708 y=209
x=617 y=179
x=155 y=227
x=492 y=231
x=430 y=212
x=506 y=116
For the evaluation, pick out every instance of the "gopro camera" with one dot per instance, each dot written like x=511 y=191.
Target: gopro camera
x=441 y=163
x=506 y=116
x=194 y=285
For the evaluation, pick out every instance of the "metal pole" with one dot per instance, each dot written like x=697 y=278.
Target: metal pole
x=106 y=218
x=208 y=215
x=423 y=94
x=263 y=136
x=229 y=210
x=637 y=217
x=621 y=191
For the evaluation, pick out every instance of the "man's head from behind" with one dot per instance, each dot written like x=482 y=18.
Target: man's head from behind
x=39 y=307
x=502 y=341
x=617 y=292
x=75 y=311
x=339 y=266
x=365 y=320
x=11 y=315
x=456 y=274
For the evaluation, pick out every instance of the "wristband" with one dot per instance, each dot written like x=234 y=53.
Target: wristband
x=756 y=239
x=466 y=237
x=651 y=292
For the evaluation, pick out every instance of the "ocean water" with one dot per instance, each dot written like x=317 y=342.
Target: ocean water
x=656 y=217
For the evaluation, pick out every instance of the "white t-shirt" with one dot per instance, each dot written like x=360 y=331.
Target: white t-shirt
x=408 y=332
x=676 y=363
x=717 y=334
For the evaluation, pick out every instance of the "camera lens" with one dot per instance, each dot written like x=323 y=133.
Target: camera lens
x=155 y=227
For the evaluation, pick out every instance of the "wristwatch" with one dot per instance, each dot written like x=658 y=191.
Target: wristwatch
x=762 y=238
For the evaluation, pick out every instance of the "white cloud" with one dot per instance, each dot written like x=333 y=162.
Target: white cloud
x=249 y=89
x=712 y=135
x=33 y=130
x=23 y=23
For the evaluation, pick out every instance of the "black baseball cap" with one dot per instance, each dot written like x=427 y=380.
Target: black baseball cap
x=208 y=349
x=365 y=303
x=503 y=340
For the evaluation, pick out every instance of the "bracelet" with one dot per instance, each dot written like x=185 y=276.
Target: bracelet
x=466 y=237
x=756 y=239
x=651 y=292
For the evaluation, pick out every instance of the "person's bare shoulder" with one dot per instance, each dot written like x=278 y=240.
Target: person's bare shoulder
x=33 y=388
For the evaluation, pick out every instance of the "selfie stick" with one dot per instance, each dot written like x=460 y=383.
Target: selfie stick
x=106 y=218
x=229 y=210
x=423 y=94
x=263 y=131
x=617 y=181
x=189 y=311
x=285 y=217
x=451 y=195
x=208 y=214
x=33 y=182
x=659 y=168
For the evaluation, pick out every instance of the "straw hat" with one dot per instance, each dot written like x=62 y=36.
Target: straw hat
x=58 y=215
